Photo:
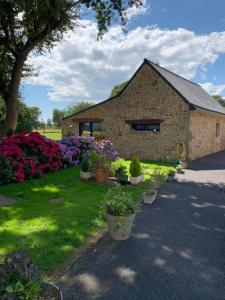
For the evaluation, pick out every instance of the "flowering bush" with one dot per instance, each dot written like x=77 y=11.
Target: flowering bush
x=32 y=155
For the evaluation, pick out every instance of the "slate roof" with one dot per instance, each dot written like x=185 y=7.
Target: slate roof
x=192 y=92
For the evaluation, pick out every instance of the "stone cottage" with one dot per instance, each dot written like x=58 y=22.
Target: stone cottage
x=157 y=115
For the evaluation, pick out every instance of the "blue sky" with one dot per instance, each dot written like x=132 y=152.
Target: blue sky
x=187 y=37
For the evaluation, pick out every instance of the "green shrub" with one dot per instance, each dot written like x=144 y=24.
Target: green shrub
x=85 y=164
x=135 y=166
x=171 y=172
x=6 y=171
x=19 y=278
x=120 y=202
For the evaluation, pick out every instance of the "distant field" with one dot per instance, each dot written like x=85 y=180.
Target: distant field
x=54 y=134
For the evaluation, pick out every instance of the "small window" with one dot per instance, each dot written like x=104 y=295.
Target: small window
x=217 y=129
x=154 y=127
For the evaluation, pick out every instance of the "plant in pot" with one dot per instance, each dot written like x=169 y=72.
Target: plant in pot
x=120 y=210
x=121 y=174
x=85 y=172
x=20 y=279
x=157 y=178
x=150 y=196
x=100 y=166
x=135 y=171
x=171 y=175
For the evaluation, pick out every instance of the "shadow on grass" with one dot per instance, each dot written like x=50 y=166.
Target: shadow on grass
x=51 y=230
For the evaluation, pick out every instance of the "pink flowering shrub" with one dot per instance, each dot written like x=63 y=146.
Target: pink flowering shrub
x=32 y=155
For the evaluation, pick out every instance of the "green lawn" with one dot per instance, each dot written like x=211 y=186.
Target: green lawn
x=51 y=134
x=51 y=231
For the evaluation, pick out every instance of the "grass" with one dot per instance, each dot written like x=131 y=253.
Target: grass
x=54 y=134
x=52 y=231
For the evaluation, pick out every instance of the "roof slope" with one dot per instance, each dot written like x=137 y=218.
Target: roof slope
x=193 y=93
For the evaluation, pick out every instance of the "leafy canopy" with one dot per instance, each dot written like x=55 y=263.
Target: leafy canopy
x=117 y=89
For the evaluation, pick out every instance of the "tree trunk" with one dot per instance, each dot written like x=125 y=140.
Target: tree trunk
x=11 y=100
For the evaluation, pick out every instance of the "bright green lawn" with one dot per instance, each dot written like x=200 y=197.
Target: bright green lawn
x=52 y=231
x=51 y=134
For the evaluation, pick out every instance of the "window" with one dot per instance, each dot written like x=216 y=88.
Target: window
x=155 y=127
x=217 y=129
x=95 y=128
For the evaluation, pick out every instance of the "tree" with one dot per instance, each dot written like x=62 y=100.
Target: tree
x=117 y=88
x=28 y=117
x=75 y=107
x=37 y=25
x=49 y=123
x=219 y=99
x=57 y=116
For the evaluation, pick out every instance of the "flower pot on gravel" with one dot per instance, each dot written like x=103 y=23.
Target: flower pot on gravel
x=85 y=175
x=119 y=227
x=137 y=179
x=171 y=175
x=120 y=210
x=150 y=196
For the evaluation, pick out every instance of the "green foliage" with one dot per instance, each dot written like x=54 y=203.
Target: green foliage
x=219 y=99
x=158 y=177
x=171 y=172
x=75 y=107
x=6 y=171
x=121 y=174
x=94 y=158
x=57 y=116
x=135 y=166
x=19 y=278
x=28 y=117
x=70 y=225
x=117 y=89
x=85 y=164
x=119 y=202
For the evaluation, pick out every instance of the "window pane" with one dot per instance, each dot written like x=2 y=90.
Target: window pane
x=84 y=126
x=146 y=127
x=98 y=130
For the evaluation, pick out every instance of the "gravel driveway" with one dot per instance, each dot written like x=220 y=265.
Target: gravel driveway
x=176 y=251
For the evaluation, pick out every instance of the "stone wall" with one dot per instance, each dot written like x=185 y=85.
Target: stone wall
x=202 y=134
x=147 y=96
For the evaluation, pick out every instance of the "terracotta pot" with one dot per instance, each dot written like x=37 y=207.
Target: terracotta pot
x=101 y=175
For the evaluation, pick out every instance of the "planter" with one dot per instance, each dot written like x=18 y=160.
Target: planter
x=51 y=291
x=170 y=178
x=123 y=179
x=101 y=175
x=149 y=198
x=184 y=164
x=85 y=175
x=119 y=227
x=136 y=180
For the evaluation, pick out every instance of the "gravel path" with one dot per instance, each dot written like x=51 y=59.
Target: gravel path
x=176 y=251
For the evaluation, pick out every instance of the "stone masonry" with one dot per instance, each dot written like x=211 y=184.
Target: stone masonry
x=149 y=96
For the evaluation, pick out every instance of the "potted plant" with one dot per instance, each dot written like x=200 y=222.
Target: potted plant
x=20 y=279
x=121 y=174
x=157 y=178
x=85 y=168
x=135 y=171
x=150 y=196
x=100 y=167
x=171 y=175
x=120 y=210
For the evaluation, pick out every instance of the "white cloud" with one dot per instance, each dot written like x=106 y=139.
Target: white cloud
x=136 y=11
x=214 y=89
x=82 y=68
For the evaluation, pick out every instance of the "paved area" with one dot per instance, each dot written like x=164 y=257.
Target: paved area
x=176 y=251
